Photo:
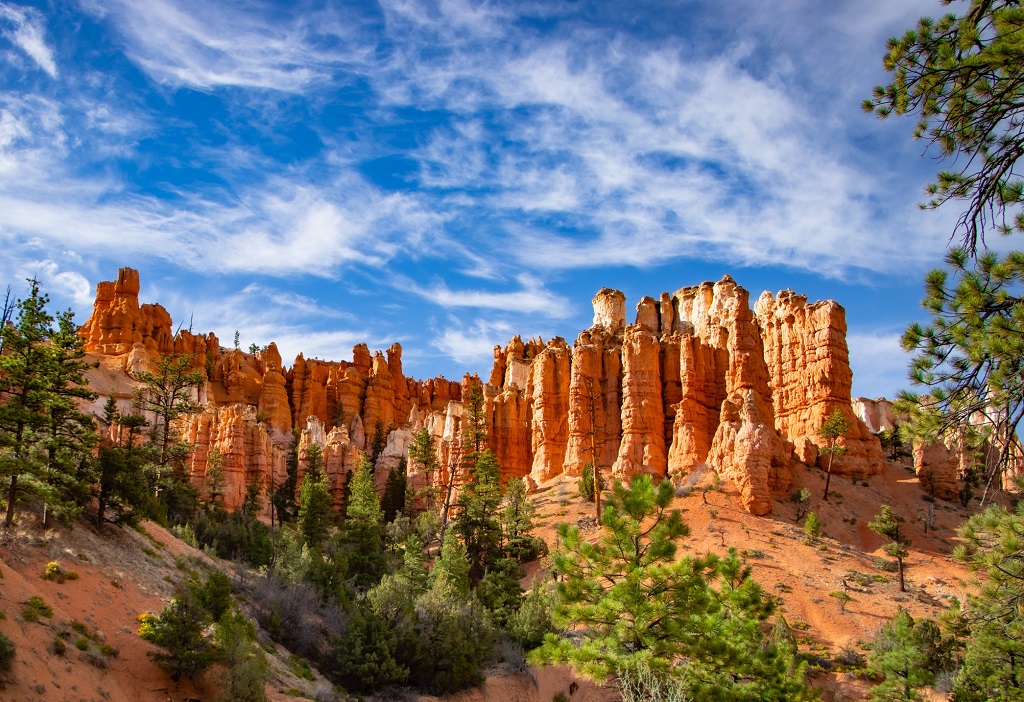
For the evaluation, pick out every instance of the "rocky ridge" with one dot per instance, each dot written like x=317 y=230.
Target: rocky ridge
x=701 y=379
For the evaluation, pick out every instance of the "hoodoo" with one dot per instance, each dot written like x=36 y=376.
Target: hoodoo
x=700 y=380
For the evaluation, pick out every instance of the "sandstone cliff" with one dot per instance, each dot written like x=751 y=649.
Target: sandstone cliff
x=700 y=379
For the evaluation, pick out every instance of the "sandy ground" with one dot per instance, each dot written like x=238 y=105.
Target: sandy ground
x=126 y=572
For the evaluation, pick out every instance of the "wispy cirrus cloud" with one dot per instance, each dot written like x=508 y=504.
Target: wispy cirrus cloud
x=212 y=45
x=24 y=27
x=531 y=298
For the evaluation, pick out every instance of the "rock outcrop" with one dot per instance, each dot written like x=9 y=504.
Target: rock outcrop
x=550 y=405
x=118 y=322
x=805 y=347
x=700 y=380
x=642 y=449
x=248 y=454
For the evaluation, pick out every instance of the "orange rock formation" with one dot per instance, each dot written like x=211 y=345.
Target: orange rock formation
x=699 y=380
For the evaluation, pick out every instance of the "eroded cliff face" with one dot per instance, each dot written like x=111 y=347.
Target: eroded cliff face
x=252 y=402
x=248 y=455
x=700 y=380
x=805 y=347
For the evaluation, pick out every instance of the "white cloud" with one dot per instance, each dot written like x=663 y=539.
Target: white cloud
x=23 y=26
x=209 y=45
x=472 y=344
x=532 y=298
x=651 y=154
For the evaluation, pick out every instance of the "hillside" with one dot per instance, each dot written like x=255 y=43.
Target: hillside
x=124 y=572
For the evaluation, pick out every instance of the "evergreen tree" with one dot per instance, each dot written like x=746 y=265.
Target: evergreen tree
x=897 y=654
x=834 y=428
x=215 y=479
x=121 y=487
x=812 y=527
x=474 y=440
x=245 y=664
x=393 y=503
x=637 y=603
x=167 y=393
x=283 y=499
x=46 y=439
x=378 y=442
x=993 y=666
x=517 y=515
x=316 y=505
x=363 y=530
x=180 y=630
x=365 y=655
x=69 y=470
x=970 y=356
x=423 y=454
x=477 y=521
x=889 y=525
x=960 y=76
x=451 y=569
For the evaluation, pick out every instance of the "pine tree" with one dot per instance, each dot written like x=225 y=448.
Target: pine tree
x=393 y=502
x=121 y=486
x=637 y=603
x=245 y=664
x=517 y=515
x=423 y=455
x=993 y=662
x=283 y=499
x=47 y=439
x=167 y=393
x=889 y=525
x=898 y=654
x=363 y=529
x=960 y=76
x=316 y=505
x=834 y=428
x=477 y=521
x=180 y=630
x=451 y=569
x=970 y=357
x=474 y=440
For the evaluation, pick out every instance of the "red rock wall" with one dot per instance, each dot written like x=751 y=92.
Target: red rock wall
x=247 y=450
x=699 y=379
x=810 y=376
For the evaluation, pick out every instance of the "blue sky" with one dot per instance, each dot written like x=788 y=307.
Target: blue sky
x=446 y=174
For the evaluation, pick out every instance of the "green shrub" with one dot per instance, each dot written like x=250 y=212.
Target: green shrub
x=812 y=527
x=585 y=484
x=82 y=644
x=365 y=654
x=454 y=639
x=7 y=653
x=532 y=621
x=36 y=608
x=245 y=665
